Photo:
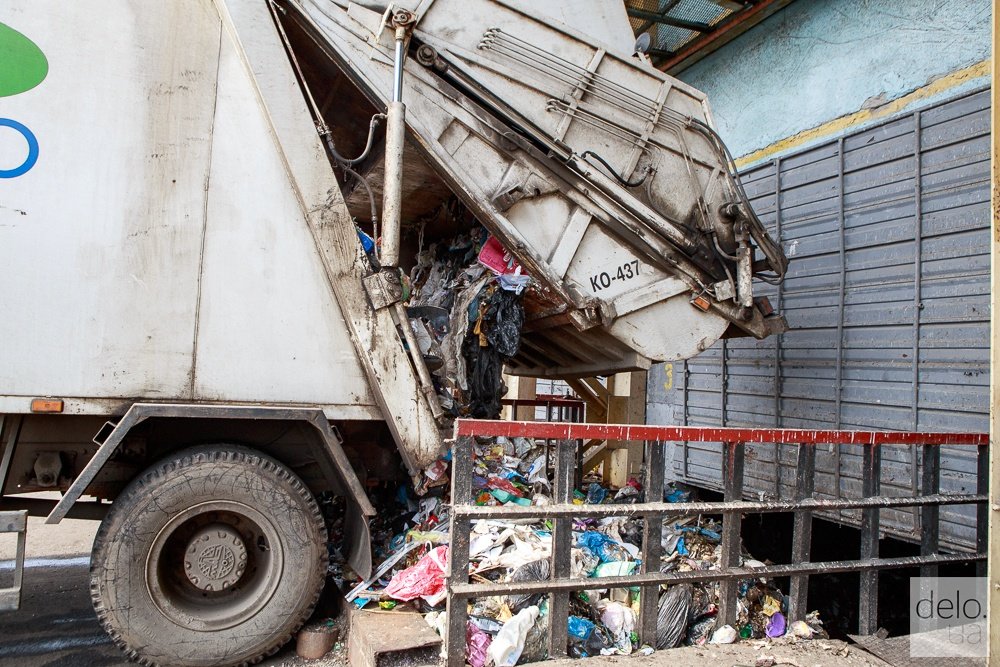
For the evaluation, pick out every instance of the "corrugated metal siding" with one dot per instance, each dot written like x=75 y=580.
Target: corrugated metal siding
x=887 y=230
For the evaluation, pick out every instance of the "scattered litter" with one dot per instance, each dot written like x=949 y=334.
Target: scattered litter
x=411 y=554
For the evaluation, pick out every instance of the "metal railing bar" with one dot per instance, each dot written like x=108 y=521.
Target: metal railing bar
x=871 y=482
x=465 y=591
x=688 y=509
x=732 y=477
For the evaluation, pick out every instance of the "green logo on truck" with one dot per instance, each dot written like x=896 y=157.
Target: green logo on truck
x=22 y=64
x=22 y=67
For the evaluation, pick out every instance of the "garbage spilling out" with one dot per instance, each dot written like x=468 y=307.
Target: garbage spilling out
x=466 y=311
x=412 y=547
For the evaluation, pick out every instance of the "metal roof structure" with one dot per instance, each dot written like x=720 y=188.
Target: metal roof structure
x=684 y=31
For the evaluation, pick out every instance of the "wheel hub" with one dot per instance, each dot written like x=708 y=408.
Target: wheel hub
x=215 y=557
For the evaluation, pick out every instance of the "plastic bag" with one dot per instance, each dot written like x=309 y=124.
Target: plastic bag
x=615 y=569
x=699 y=631
x=509 y=642
x=536 y=643
x=534 y=571
x=580 y=628
x=724 y=635
x=596 y=494
x=672 y=616
x=507 y=315
x=602 y=546
x=620 y=622
x=423 y=580
x=775 y=625
x=477 y=643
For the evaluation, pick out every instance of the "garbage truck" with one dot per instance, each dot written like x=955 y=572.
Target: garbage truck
x=211 y=216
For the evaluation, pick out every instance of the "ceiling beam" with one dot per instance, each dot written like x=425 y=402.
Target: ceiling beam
x=726 y=31
x=696 y=26
x=649 y=24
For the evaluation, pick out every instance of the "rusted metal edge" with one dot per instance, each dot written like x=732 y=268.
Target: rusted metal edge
x=563 y=431
x=465 y=590
x=688 y=509
x=140 y=412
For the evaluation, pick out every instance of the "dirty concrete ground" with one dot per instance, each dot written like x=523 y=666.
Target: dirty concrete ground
x=57 y=626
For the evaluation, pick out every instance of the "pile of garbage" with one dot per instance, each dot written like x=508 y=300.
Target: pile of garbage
x=412 y=544
x=465 y=307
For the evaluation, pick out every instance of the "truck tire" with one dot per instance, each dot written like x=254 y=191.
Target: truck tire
x=216 y=555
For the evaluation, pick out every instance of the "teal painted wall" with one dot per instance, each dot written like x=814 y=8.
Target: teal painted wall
x=817 y=60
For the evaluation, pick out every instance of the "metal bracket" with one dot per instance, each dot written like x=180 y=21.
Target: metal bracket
x=384 y=288
x=14 y=522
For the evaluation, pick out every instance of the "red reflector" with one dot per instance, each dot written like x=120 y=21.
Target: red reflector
x=46 y=405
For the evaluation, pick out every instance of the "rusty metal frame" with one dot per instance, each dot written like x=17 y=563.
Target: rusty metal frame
x=557 y=408
x=112 y=437
x=566 y=438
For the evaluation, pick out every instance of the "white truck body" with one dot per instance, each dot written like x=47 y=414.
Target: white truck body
x=166 y=245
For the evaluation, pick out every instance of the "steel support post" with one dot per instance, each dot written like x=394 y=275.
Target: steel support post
x=930 y=514
x=652 y=533
x=982 y=509
x=871 y=473
x=562 y=544
x=732 y=473
x=462 y=466
x=805 y=474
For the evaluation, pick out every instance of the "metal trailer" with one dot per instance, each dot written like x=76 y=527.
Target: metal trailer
x=888 y=304
x=190 y=327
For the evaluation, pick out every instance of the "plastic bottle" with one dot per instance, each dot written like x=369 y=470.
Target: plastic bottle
x=509 y=642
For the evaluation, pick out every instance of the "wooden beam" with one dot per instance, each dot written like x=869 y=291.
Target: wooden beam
x=626 y=405
x=993 y=567
x=597 y=406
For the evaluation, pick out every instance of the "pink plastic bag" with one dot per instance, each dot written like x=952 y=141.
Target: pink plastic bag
x=476 y=643
x=423 y=580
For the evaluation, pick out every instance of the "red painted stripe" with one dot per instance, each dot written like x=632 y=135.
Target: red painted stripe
x=569 y=431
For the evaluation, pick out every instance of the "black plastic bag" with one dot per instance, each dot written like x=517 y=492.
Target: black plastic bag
x=672 y=616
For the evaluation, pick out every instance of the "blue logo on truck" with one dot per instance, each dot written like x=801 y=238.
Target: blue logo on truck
x=32 y=157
